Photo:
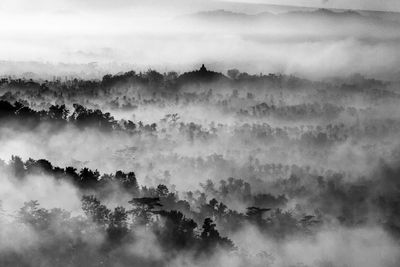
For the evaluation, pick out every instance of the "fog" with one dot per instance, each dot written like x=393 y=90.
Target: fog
x=199 y=133
x=310 y=43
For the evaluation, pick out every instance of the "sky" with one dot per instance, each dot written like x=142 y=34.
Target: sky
x=145 y=34
x=41 y=6
x=375 y=5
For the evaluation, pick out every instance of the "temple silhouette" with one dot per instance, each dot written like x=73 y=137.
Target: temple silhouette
x=203 y=69
x=202 y=75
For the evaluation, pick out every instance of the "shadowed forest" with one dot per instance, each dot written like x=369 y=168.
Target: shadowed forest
x=200 y=168
x=199 y=133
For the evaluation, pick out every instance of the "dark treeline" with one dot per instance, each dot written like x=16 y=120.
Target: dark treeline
x=59 y=115
x=171 y=85
x=189 y=222
x=198 y=205
x=21 y=115
x=150 y=210
x=153 y=80
x=275 y=96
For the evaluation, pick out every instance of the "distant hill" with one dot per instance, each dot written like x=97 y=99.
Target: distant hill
x=220 y=16
x=326 y=13
x=221 y=13
x=225 y=14
x=309 y=14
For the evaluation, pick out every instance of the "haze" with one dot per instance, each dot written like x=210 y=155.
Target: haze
x=122 y=35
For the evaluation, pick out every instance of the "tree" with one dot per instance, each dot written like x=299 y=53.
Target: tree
x=58 y=113
x=233 y=73
x=162 y=190
x=88 y=178
x=83 y=117
x=143 y=209
x=31 y=214
x=211 y=239
x=6 y=110
x=38 y=166
x=71 y=172
x=155 y=79
x=128 y=181
x=94 y=210
x=131 y=183
x=118 y=224
x=177 y=231
x=255 y=214
x=17 y=166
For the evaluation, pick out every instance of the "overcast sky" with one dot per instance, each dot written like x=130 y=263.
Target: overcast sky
x=70 y=5
x=388 y=5
x=146 y=33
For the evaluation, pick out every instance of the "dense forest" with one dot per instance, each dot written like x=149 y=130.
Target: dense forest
x=199 y=169
x=199 y=133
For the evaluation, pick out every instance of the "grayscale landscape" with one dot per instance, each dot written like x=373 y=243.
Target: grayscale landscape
x=200 y=133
